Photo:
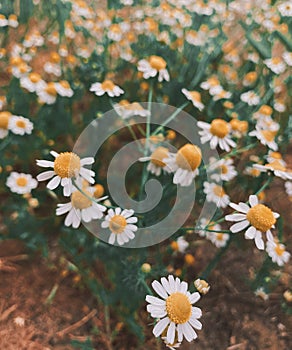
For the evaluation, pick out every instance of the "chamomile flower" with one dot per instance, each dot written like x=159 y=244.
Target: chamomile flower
x=20 y=125
x=120 y=223
x=152 y=66
x=219 y=239
x=202 y=286
x=184 y=164
x=222 y=170
x=257 y=217
x=276 y=156
x=32 y=82
x=66 y=166
x=195 y=97
x=203 y=224
x=250 y=97
x=266 y=137
x=4 y=123
x=21 y=183
x=63 y=89
x=81 y=207
x=125 y=109
x=174 y=309
x=216 y=194
x=285 y=8
x=157 y=161
x=47 y=93
x=275 y=64
x=261 y=293
x=276 y=168
x=180 y=245
x=217 y=133
x=276 y=250
x=106 y=87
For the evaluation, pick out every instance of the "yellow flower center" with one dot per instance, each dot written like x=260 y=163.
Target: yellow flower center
x=261 y=217
x=276 y=60
x=157 y=62
x=158 y=155
x=21 y=124
x=220 y=236
x=279 y=249
x=65 y=84
x=55 y=58
x=99 y=191
x=21 y=181
x=239 y=125
x=117 y=224
x=34 y=77
x=23 y=68
x=224 y=169
x=268 y=135
x=195 y=95
x=178 y=308
x=251 y=77
x=67 y=164
x=266 y=110
x=219 y=127
x=276 y=165
x=107 y=85
x=4 y=119
x=189 y=157
x=80 y=201
x=276 y=155
x=218 y=191
x=51 y=89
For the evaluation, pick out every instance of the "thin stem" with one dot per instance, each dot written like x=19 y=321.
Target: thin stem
x=143 y=282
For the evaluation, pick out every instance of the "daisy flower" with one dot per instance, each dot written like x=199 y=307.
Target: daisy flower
x=276 y=168
x=174 y=309
x=21 y=183
x=250 y=97
x=4 y=122
x=222 y=170
x=266 y=137
x=261 y=293
x=63 y=89
x=285 y=8
x=121 y=225
x=66 y=166
x=108 y=87
x=204 y=223
x=257 y=217
x=81 y=207
x=20 y=125
x=195 y=97
x=180 y=245
x=275 y=156
x=184 y=164
x=47 y=93
x=125 y=109
x=213 y=85
x=152 y=66
x=202 y=286
x=275 y=64
x=218 y=239
x=156 y=161
x=216 y=194
x=276 y=250
x=32 y=82
x=217 y=133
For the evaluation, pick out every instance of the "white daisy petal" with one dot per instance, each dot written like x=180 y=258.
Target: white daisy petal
x=239 y=226
x=160 y=326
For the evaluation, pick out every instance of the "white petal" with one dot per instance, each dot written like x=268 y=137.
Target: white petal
x=195 y=323
x=188 y=332
x=237 y=207
x=87 y=161
x=259 y=241
x=154 y=300
x=54 y=183
x=159 y=289
x=253 y=200
x=112 y=238
x=250 y=233
x=194 y=297
x=160 y=326
x=171 y=333
x=235 y=217
x=239 y=226
x=46 y=175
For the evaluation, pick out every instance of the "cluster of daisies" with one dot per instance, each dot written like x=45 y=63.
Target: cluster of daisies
x=16 y=124
x=69 y=171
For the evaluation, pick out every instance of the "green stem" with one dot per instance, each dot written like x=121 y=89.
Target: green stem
x=143 y=282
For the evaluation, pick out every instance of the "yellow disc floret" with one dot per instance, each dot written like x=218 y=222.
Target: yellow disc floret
x=158 y=155
x=67 y=164
x=157 y=62
x=21 y=181
x=219 y=128
x=261 y=217
x=178 y=308
x=80 y=201
x=117 y=224
x=189 y=157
